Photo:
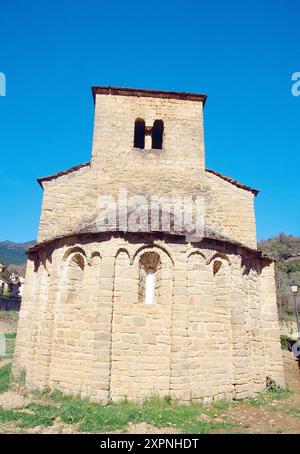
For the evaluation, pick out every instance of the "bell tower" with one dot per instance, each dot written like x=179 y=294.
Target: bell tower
x=149 y=141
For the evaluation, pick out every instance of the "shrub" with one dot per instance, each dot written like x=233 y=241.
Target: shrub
x=284 y=340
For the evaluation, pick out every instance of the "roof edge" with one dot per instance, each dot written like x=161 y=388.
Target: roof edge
x=88 y=163
x=237 y=244
x=62 y=173
x=234 y=182
x=124 y=91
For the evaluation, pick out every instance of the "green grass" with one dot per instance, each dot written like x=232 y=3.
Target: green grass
x=10 y=340
x=157 y=412
x=90 y=417
x=295 y=412
x=288 y=316
x=33 y=415
x=284 y=340
x=273 y=393
x=9 y=314
x=5 y=373
x=10 y=344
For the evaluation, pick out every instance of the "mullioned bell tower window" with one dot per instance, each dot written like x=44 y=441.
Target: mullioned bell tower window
x=142 y=133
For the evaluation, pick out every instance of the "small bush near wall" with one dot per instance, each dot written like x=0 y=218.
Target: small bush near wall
x=284 y=340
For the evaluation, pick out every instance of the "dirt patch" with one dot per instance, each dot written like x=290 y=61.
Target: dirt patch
x=10 y=428
x=57 y=428
x=263 y=420
x=145 y=428
x=8 y=324
x=275 y=417
x=291 y=371
x=4 y=361
x=10 y=400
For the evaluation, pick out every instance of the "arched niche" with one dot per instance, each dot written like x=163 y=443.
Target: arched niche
x=122 y=282
x=72 y=276
x=197 y=276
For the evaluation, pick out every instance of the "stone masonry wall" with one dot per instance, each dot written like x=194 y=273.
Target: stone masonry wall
x=212 y=331
x=230 y=210
x=70 y=202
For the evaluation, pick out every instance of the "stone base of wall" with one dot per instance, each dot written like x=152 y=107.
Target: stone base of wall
x=212 y=331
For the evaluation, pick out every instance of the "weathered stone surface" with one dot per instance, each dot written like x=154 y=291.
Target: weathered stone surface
x=178 y=170
x=218 y=338
x=212 y=328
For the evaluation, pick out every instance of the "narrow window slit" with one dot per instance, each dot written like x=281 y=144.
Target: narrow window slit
x=157 y=134
x=139 y=133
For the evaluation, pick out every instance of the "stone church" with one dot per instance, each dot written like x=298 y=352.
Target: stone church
x=113 y=309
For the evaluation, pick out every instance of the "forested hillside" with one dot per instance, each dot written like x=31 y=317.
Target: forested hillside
x=13 y=257
x=286 y=250
x=14 y=253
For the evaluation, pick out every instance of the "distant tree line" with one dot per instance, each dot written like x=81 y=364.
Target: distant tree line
x=285 y=249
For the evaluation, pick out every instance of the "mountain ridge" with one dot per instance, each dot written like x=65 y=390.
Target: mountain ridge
x=14 y=253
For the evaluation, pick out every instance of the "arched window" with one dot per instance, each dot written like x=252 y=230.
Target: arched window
x=139 y=133
x=157 y=134
x=149 y=286
x=149 y=279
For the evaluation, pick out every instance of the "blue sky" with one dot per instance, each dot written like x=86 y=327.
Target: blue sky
x=241 y=54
